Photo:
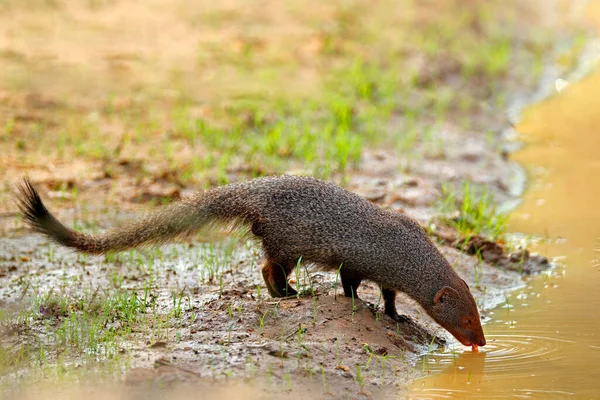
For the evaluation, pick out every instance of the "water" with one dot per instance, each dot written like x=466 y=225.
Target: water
x=545 y=342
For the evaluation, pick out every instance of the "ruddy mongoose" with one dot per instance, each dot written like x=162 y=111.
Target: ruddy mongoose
x=300 y=217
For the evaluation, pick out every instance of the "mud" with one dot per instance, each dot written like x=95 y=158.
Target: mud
x=230 y=330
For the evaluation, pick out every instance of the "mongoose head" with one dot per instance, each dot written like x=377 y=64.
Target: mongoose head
x=454 y=309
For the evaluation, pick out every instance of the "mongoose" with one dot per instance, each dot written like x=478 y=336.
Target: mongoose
x=300 y=217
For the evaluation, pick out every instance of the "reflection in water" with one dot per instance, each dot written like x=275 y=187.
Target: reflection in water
x=506 y=356
x=545 y=342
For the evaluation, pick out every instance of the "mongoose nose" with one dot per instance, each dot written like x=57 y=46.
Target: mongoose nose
x=482 y=342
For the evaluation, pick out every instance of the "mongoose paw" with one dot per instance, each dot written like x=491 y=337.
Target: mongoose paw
x=289 y=291
x=286 y=291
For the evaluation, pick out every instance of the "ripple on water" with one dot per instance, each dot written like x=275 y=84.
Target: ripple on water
x=511 y=355
x=507 y=353
x=506 y=357
x=437 y=394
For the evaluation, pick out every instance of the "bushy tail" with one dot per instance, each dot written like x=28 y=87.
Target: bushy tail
x=176 y=221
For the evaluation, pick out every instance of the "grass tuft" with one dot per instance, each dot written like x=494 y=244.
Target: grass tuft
x=472 y=213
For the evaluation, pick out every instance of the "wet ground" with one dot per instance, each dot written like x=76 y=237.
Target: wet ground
x=230 y=328
x=195 y=317
x=201 y=310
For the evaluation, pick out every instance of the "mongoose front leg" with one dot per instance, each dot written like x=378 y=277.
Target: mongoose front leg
x=389 y=304
x=350 y=282
x=275 y=276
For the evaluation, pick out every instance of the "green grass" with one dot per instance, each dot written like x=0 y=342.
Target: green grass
x=368 y=87
x=68 y=334
x=72 y=321
x=329 y=143
x=472 y=212
x=94 y=324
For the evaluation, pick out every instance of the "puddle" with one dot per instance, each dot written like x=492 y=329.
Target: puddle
x=544 y=342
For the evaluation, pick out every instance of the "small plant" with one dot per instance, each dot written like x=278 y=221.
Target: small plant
x=288 y=381
x=430 y=348
x=474 y=213
x=261 y=320
x=359 y=377
x=383 y=359
x=258 y=294
x=177 y=310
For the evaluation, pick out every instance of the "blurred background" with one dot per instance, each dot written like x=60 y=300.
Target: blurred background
x=112 y=106
x=103 y=95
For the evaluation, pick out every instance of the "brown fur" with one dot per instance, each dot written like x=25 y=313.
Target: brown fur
x=300 y=217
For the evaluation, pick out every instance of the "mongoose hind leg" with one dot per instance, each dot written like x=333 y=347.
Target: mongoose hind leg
x=275 y=275
x=389 y=303
x=350 y=282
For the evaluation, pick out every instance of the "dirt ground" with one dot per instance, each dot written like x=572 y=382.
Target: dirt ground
x=207 y=318
x=100 y=121
x=231 y=329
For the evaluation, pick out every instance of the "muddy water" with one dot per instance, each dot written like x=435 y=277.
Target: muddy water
x=545 y=341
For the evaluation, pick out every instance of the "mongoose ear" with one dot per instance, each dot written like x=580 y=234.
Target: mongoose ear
x=444 y=293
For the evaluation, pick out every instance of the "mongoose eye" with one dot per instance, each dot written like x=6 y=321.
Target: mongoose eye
x=467 y=322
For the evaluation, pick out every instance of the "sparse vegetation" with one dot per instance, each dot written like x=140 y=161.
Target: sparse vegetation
x=366 y=86
x=211 y=94
x=473 y=213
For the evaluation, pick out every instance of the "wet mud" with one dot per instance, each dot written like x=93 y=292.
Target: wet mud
x=232 y=329
x=208 y=314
